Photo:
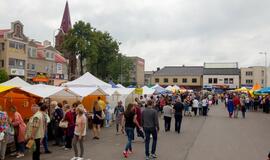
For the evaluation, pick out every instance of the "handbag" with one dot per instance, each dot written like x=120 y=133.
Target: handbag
x=30 y=143
x=102 y=115
x=2 y=136
x=63 y=124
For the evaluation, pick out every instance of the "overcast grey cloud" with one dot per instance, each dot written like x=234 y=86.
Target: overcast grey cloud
x=171 y=32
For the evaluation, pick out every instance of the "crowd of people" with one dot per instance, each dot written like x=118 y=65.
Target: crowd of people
x=67 y=124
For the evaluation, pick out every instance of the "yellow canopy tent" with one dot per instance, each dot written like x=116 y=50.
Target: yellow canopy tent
x=242 y=89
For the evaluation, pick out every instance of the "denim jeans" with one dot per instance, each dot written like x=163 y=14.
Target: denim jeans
x=36 y=153
x=130 y=135
x=148 y=132
x=21 y=147
x=178 y=122
x=45 y=142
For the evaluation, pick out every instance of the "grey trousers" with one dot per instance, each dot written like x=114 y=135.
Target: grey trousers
x=74 y=143
x=3 y=147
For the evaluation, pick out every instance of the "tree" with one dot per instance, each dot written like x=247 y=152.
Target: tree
x=77 y=41
x=3 y=75
x=98 y=52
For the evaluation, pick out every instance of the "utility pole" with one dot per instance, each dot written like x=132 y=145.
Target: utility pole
x=265 y=65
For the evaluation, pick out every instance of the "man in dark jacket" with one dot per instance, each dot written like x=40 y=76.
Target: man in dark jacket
x=151 y=127
x=178 y=114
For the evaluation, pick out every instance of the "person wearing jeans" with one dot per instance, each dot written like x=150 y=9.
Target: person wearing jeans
x=151 y=127
x=167 y=113
x=129 y=121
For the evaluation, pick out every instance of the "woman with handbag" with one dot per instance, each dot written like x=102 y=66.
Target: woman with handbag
x=69 y=131
x=20 y=127
x=97 y=119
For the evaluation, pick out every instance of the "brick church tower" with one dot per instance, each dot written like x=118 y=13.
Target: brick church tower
x=59 y=39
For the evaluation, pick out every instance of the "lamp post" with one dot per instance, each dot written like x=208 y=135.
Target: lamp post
x=265 y=65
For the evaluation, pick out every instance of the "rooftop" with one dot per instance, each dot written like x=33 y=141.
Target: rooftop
x=180 y=71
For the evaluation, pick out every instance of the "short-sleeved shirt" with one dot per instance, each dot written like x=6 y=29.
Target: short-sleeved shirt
x=178 y=107
x=80 y=123
x=129 y=117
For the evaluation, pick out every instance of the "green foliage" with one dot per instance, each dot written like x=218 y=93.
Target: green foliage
x=98 y=53
x=3 y=76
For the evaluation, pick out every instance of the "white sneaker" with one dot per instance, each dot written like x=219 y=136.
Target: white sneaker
x=79 y=158
x=74 y=158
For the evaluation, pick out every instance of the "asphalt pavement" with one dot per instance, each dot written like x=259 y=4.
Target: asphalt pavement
x=215 y=137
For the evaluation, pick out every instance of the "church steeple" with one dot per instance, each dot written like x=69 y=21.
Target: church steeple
x=66 y=23
x=64 y=28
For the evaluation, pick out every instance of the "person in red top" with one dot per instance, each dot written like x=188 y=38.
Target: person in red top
x=236 y=103
x=69 y=131
x=138 y=113
x=162 y=102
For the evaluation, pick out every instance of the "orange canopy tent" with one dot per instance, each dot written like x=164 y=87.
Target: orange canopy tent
x=22 y=100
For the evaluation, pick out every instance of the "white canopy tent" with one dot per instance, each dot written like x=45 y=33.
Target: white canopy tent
x=148 y=91
x=169 y=88
x=16 y=82
x=158 y=89
x=120 y=86
x=87 y=80
x=176 y=87
x=47 y=91
x=86 y=91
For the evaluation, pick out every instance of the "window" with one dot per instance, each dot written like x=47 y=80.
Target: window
x=262 y=82
x=156 y=80
x=32 y=52
x=215 y=80
x=249 y=73
x=46 y=68
x=33 y=67
x=262 y=73
x=2 y=46
x=16 y=45
x=210 y=80
x=165 y=80
x=47 y=54
x=2 y=63
x=231 y=80
x=194 y=80
x=16 y=63
x=184 y=80
x=175 y=80
x=249 y=81
x=226 y=80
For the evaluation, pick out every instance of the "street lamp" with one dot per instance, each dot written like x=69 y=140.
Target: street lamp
x=265 y=65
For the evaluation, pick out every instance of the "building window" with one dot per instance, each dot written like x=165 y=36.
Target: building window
x=2 y=63
x=194 y=80
x=16 y=45
x=33 y=67
x=184 y=80
x=262 y=73
x=215 y=80
x=175 y=80
x=47 y=54
x=156 y=80
x=226 y=80
x=165 y=80
x=231 y=80
x=249 y=81
x=16 y=63
x=210 y=80
x=262 y=82
x=249 y=73
x=2 y=46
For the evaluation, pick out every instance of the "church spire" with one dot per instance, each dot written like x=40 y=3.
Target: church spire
x=66 y=23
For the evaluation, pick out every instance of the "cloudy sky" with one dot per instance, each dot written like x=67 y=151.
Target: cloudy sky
x=171 y=32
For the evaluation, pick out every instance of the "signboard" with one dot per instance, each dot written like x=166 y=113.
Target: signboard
x=139 y=91
x=59 y=68
x=41 y=78
x=17 y=72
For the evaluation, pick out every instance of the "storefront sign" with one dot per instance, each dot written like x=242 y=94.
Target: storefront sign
x=17 y=72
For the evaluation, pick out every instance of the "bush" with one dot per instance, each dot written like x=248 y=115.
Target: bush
x=3 y=76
